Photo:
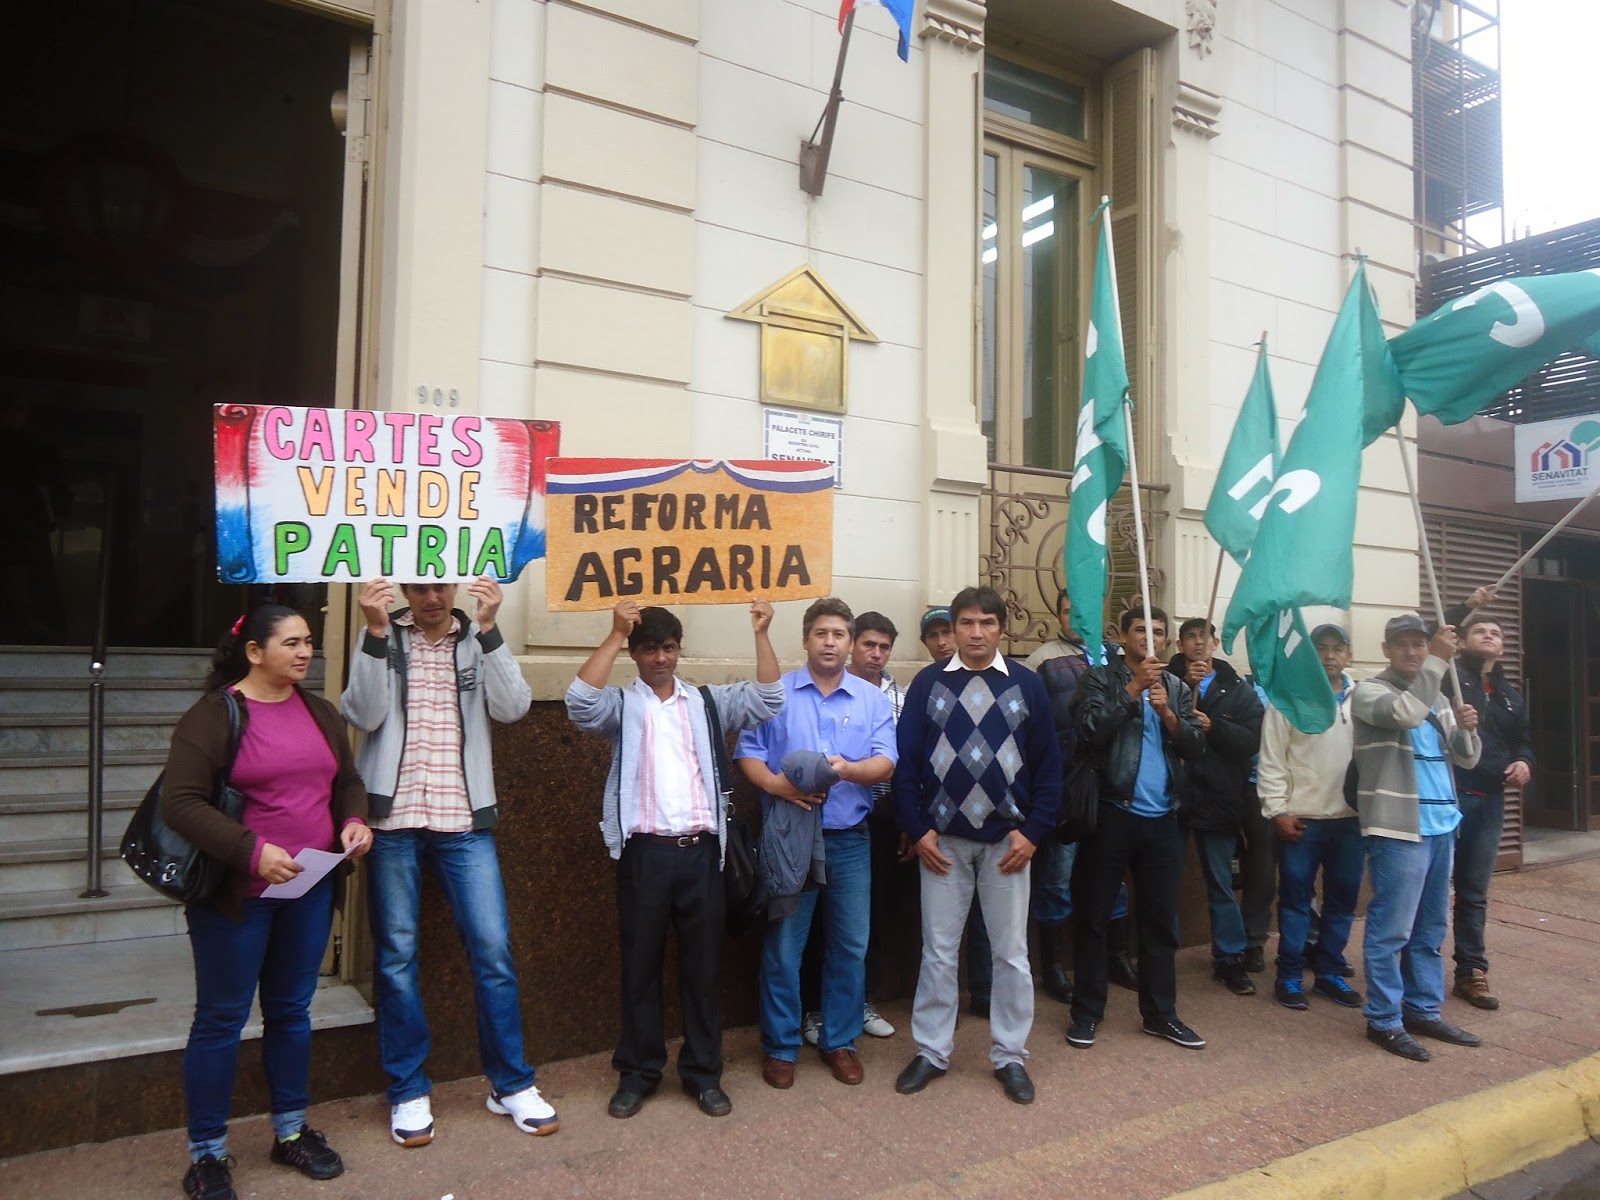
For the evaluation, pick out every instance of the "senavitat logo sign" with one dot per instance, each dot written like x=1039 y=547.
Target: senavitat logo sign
x=1556 y=459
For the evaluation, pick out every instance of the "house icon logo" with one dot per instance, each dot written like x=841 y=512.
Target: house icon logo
x=1559 y=455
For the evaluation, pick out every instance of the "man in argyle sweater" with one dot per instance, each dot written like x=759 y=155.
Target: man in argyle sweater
x=977 y=789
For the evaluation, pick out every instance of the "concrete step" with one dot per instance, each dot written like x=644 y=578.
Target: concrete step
x=55 y=774
x=61 y=917
x=36 y=818
x=58 y=864
x=68 y=733
x=72 y=662
x=70 y=697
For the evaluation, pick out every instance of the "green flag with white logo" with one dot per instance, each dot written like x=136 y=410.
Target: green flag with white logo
x=1303 y=552
x=1102 y=454
x=1456 y=360
x=1287 y=667
x=1248 y=469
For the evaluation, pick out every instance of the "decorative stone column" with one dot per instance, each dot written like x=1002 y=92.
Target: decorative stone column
x=955 y=458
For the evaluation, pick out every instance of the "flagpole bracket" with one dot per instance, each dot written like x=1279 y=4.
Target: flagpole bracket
x=815 y=151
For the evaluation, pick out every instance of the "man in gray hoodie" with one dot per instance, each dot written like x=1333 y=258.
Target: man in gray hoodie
x=1406 y=742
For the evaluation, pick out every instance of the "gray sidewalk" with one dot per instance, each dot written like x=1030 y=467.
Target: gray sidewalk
x=1132 y=1118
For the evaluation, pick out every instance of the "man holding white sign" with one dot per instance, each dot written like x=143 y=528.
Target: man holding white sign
x=424 y=685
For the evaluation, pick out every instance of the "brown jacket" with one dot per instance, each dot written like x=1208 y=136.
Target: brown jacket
x=198 y=754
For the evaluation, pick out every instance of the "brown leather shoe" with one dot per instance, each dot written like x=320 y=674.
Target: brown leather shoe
x=1474 y=989
x=778 y=1072
x=845 y=1064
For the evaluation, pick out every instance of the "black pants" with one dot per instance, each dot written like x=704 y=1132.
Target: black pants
x=1258 y=870
x=660 y=885
x=1152 y=848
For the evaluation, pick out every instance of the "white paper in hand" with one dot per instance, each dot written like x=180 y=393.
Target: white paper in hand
x=317 y=864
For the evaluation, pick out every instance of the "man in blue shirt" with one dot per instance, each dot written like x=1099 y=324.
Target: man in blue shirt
x=829 y=710
x=1139 y=721
x=1405 y=745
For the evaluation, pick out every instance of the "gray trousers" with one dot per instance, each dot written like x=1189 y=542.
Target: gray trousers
x=946 y=900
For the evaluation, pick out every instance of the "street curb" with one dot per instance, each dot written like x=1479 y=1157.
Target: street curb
x=1439 y=1151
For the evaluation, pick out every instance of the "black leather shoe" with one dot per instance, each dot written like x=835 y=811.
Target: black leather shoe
x=1019 y=1088
x=1441 y=1031
x=919 y=1073
x=1255 y=959
x=1057 y=983
x=713 y=1101
x=1398 y=1041
x=626 y=1102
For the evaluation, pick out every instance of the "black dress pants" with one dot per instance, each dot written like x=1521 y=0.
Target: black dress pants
x=658 y=886
x=1152 y=848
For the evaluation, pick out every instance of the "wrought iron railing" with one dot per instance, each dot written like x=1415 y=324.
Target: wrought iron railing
x=1025 y=511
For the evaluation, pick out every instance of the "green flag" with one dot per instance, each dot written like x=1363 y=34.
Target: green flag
x=1102 y=454
x=1457 y=359
x=1304 y=549
x=1287 y=667
x=1248 y=469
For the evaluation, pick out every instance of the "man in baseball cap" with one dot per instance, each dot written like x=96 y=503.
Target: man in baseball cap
x=1406 y=741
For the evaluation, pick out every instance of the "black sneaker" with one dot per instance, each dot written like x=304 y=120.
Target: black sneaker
x=1176 y=1032
x=1082 y=1031
x=210 y=1179
x=1255 y=960
x=1336 y=989
x=1230 y=973
x=1290 y=993
x=308 y=1152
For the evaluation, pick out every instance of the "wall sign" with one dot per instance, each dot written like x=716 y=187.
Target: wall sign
x=804 y=437
x=1555 y=460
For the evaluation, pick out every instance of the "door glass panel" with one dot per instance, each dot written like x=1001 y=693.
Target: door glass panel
x=1049 y=223
x=988 y=261
x=1033 y=97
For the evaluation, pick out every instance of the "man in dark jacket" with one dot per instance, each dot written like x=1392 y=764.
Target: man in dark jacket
x=1230 y=712
x=1140 y=721
x=1507 y=761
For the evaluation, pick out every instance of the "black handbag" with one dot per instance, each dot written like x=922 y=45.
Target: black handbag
x=165 y=859
x=1080 y=799
x=746 y=900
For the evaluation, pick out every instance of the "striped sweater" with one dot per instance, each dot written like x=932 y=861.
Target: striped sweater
x=1384 y=711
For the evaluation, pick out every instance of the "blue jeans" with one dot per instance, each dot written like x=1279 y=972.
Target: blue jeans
x=1215 y=851
x=469 y=873
x=848 y=917
x=1334 y=848
x=1405 y=927
x=1481 y=821
x=278 y=945
x=1052 y=884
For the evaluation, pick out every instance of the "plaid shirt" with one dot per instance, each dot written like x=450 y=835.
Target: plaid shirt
x=432 y=789
x=897 y=700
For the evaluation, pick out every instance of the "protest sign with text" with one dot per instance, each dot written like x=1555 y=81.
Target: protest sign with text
x=676 y=531
x=340 y=495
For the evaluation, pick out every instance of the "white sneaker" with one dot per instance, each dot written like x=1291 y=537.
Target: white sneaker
x=811 y=1028
x=527 y=1109
x=411 y=1123
x=872 y=1022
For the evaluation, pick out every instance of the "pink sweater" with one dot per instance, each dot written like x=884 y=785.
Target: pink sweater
x=286 y=770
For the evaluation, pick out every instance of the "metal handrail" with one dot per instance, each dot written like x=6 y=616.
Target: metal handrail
x=93 y=888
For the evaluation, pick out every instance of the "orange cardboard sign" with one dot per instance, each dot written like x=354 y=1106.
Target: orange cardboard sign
x=681 y=531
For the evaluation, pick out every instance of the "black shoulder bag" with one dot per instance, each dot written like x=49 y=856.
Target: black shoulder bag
x=745 y=901
x=165 y=859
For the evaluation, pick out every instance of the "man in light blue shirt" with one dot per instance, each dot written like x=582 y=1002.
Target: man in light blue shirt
x=843 y=716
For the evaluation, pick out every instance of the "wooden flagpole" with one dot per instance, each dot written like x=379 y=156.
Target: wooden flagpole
x=1427 y=553
x=1127 y=417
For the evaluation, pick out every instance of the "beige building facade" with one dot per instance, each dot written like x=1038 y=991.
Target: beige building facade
x=575 y=195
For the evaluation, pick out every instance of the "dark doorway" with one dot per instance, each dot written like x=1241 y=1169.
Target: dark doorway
x=170 y=199
x=1560 y=635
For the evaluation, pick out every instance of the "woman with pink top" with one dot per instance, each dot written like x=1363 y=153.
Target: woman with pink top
x=299 y=778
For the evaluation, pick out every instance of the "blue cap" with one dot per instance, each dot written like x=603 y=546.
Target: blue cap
x=935 y=616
